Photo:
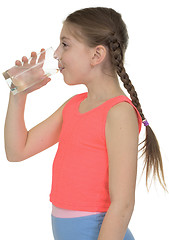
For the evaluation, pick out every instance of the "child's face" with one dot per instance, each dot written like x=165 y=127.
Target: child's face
x=75 y=57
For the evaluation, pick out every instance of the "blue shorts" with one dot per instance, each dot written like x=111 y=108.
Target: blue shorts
x=80 y=228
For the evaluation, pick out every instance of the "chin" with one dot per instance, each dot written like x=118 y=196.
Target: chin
x=69 y=82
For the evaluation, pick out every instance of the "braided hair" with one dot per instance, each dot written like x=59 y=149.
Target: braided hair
x=117 y=60
x=104 y=26
x=149 y=149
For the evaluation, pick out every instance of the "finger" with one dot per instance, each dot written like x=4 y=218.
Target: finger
x=38 y=85
x=48 y=79
x=33 y=59
x=24 y=60
x=42 y=55
x=42 y=50
x=45 y=81
x=18 y=63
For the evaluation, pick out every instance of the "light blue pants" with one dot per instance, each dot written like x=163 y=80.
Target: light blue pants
x=80 y=228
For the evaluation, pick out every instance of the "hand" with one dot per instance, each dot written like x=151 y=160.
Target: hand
x=35 y=77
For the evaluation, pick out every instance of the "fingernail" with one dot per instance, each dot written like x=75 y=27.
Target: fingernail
x=33 y=54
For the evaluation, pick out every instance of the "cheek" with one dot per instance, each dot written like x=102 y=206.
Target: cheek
x=81 y=64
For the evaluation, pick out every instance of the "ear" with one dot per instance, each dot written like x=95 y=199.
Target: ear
x=98 y=55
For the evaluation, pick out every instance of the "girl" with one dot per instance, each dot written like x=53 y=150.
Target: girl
x=94 y=170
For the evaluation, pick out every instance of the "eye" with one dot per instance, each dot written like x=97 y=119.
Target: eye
x=64 y=44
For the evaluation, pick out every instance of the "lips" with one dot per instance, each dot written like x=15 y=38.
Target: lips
x=60 y=68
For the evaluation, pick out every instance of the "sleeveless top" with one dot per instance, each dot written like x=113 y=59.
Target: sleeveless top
x=80 y=167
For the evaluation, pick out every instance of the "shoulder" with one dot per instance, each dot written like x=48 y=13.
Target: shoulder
x=122 y=111
x=122 y=116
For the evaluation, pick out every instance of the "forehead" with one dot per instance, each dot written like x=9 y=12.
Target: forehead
x=71 y=33
x=65 y=33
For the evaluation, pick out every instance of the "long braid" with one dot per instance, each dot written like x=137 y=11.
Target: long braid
x=117 y=58
x=149 y=149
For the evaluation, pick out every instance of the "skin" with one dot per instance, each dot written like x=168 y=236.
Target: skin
x=92 y=70
x=25 y=63
x=121 y=130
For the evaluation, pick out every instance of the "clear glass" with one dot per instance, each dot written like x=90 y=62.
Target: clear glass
x=20 y=78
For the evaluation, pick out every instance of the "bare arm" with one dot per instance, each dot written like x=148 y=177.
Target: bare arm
x=15 y=132
x=122 y=144
x=21 y=144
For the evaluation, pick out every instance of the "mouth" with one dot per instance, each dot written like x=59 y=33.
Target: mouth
x=61 y=69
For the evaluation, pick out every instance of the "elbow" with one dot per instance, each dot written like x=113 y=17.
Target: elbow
x=130 y=204
x=126 y=207
x=10 y=157
x=13 y=158
x=129 y=207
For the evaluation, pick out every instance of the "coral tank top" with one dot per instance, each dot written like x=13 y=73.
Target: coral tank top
x=80 y=167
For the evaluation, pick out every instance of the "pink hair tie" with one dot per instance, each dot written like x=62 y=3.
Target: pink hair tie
x=145 y=122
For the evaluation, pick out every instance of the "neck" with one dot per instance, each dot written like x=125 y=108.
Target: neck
x=103 y=88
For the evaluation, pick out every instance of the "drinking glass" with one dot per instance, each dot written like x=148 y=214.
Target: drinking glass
x=20 y=78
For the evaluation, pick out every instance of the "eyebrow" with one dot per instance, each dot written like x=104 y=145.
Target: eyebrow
x=62 y=38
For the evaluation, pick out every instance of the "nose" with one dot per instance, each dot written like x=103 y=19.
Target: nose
x=55 y=55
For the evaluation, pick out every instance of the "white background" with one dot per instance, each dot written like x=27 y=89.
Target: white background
x=25 y=26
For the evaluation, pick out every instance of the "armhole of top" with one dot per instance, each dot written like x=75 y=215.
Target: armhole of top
x=139 y=119
x=123 y=99
x=138 y=115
